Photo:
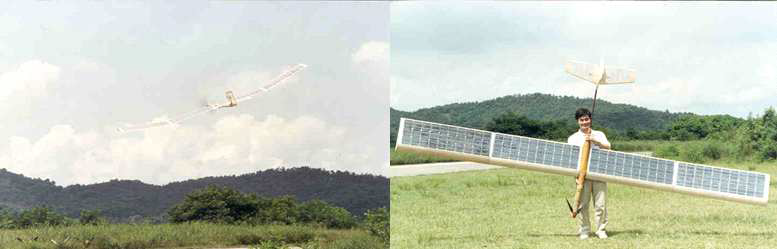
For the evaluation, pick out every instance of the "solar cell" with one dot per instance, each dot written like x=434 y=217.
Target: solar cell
x=444 y=137
x=631 y=166
x=721 y=180
x=535 y=151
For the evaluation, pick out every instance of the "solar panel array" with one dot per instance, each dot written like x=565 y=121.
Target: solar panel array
x=751 y=187
x=631 y=166
x=536 y=151
x=445 y=137
x=721 y=180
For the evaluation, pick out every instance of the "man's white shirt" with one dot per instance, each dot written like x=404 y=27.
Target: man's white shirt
x=578 y=138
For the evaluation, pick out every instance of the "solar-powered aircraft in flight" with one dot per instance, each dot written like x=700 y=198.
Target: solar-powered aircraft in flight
x=232 y=101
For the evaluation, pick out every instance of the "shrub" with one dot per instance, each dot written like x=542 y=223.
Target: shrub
x=214 y=204
x=40 y=216
x=317 y=211
x=693 y=152
x=91 y=218
x=667 y=151
x=376 y=222
x=712 y=150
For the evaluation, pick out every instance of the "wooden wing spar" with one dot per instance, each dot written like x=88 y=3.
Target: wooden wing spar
x=562 y=159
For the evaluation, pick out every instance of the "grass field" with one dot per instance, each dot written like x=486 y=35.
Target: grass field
x=510 y=208
x=402 y=157
x=195 y=235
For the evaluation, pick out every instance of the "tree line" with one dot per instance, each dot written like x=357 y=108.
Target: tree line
x=126 y=200
x=225 y=206
x=617 y=118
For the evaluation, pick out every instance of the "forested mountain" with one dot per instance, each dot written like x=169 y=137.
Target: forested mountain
x=545 y=107
x=121 y=199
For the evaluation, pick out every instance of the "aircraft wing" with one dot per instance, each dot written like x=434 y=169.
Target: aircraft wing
x=590 y=72
x=173 y=121
x=582 y=70
x=273 y=83
x=195 y=113
x=553 y=157
x=619 y=75
x=140 y=127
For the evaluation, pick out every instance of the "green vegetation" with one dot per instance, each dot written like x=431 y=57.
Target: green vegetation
x=516 y=124
x=189 y=235
x=135 y=201
x=40 y=216
x=618 y=118
x=225 y=205
x=377 y=223
x=212 y=216
x=402 y=157
x=508 y=208
x=697 y=127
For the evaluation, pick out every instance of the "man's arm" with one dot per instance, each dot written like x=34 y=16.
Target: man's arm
x=602 y=141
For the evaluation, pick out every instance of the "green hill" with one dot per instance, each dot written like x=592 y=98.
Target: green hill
x=537 y=106
x=121 y=200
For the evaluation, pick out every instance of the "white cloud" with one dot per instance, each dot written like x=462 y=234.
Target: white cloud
x=373 y=51
x=30 y=79
x=235 y=144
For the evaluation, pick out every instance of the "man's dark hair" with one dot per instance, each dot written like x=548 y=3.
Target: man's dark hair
x=582 y=112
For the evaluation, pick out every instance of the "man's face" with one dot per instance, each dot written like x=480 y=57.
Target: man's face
x=584 y=122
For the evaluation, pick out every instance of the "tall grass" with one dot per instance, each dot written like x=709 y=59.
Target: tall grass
x=125 y=236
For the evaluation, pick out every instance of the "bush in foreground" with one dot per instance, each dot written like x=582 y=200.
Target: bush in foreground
x=376 y=221
x=228 y=206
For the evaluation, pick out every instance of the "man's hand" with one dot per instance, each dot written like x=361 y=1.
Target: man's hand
x=593 y=141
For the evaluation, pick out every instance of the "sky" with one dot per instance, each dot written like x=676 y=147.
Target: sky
x=71 y=72
x=699 y=57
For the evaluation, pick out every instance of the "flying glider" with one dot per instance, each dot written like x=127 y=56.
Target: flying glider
x=232 y=101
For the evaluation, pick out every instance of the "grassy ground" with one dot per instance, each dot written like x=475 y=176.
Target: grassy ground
x=401 y=157
x=509 y=208
x=197 y=235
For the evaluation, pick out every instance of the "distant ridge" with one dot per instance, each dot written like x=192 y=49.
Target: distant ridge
x=539 y=106
x=122 y=199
